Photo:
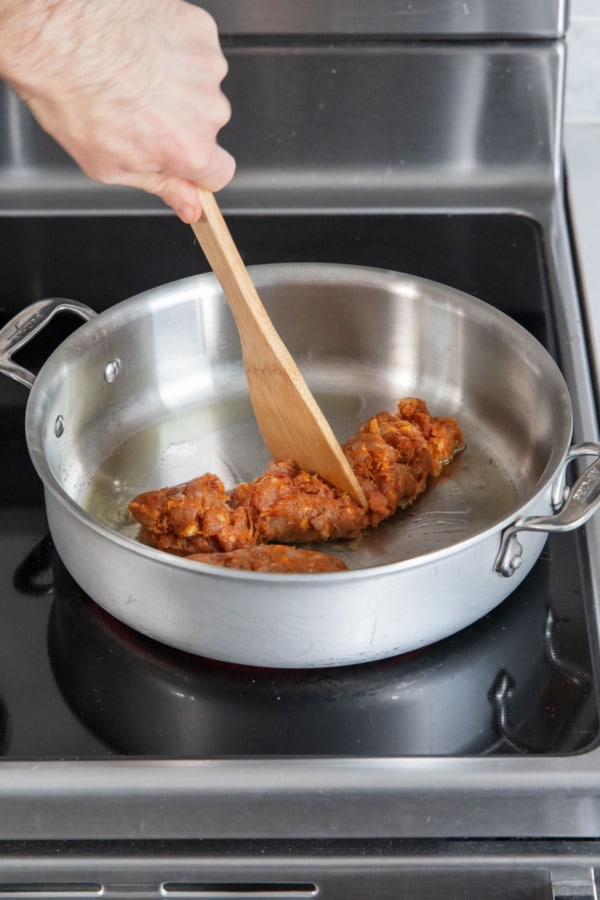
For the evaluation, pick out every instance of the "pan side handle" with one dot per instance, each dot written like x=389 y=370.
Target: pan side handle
x=576 y=506
x=25 y=325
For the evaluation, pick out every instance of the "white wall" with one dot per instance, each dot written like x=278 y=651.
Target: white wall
x=583 y=63
x=582 y=143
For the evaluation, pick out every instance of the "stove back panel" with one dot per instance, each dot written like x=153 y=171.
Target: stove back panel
x=337 y=125
x=388 y=19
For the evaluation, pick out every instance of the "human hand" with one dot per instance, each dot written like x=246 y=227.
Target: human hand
x=131 y=89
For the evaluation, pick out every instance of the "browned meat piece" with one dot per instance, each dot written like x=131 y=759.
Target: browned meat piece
x=393 y=456
x=195 y=517
x=290 y=506
x=442 y=433
x=274 y=558
x=392 y=461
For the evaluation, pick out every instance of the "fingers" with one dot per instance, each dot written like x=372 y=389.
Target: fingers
x=182 y=195
x=131 y=89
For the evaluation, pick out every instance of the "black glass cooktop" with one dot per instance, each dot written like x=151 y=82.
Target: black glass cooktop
x=76 y=683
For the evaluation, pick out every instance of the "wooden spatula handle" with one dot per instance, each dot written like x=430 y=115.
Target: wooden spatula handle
x=289 y=418
x=223 y=255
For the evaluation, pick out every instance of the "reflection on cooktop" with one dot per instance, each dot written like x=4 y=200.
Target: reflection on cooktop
x=500 y=686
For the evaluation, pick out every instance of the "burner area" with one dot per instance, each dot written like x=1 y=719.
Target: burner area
x=518 y=681
x=75 y=683
x=499 y=686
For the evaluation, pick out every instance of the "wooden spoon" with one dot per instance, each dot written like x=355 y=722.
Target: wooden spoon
x=292 y=425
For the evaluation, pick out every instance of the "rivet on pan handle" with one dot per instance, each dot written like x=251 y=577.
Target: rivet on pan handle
x=576 y=507
x=25 y=325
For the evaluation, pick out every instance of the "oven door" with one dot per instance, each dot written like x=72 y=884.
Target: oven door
x=275 y=870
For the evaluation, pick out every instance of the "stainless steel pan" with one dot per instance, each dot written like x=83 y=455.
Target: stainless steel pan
x=152 y=392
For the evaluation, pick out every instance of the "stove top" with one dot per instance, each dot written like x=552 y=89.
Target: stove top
x=74 y=683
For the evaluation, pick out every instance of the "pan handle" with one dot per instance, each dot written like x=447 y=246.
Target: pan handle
x=25 y=325
x=574 y=507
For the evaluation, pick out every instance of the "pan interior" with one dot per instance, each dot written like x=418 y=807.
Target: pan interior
x=362 y=339
x=476 y=490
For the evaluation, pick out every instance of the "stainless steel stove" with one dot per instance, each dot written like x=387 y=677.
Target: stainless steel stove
x=425 y=140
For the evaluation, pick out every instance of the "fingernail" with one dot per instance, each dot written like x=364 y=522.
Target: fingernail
x=187 y=214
